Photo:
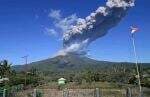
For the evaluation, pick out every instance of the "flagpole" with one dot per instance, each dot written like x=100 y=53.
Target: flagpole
x=137 y=68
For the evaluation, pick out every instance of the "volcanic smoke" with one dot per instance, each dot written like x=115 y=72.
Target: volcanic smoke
x=96 y=25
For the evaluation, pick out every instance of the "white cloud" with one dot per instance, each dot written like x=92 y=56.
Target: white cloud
x=65 y=23
x=61 y=25
x=55 y=14
x=120 y=3
x=50 y=31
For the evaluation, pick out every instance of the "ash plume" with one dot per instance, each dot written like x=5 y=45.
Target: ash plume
x=96 y=25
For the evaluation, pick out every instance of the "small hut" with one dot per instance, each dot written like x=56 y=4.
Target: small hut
x=61 y=81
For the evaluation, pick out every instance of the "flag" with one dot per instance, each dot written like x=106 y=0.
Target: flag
x=134 y=29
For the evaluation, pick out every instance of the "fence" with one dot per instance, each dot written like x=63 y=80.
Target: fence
x=75 y=93
x=80 y=93
x=9 y=92
x=3 y=93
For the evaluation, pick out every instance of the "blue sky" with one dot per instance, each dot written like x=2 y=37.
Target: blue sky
x=22 y=24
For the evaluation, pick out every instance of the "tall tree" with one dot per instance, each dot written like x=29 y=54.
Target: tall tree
x=5 y=68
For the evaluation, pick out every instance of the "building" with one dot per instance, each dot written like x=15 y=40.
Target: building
x=61 y=81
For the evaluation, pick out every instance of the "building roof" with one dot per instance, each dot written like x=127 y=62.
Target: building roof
x=62 y=79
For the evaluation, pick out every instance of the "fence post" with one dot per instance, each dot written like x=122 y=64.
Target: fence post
x=34 y=93
x=128 y=92
x=65 y=93
x=4 y=93
x=97 y=92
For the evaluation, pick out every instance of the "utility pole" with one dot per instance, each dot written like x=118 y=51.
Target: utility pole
x=137 y=67
x=26 y=68
x=133 y=31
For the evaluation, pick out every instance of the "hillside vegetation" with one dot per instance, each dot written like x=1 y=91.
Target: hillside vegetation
x=81 y=69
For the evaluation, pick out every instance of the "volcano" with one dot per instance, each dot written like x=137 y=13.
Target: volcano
x=71 y=62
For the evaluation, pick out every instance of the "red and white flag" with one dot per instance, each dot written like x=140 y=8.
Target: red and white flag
x=134 y=29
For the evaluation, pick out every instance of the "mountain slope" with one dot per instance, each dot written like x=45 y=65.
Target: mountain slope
x=72 y=63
